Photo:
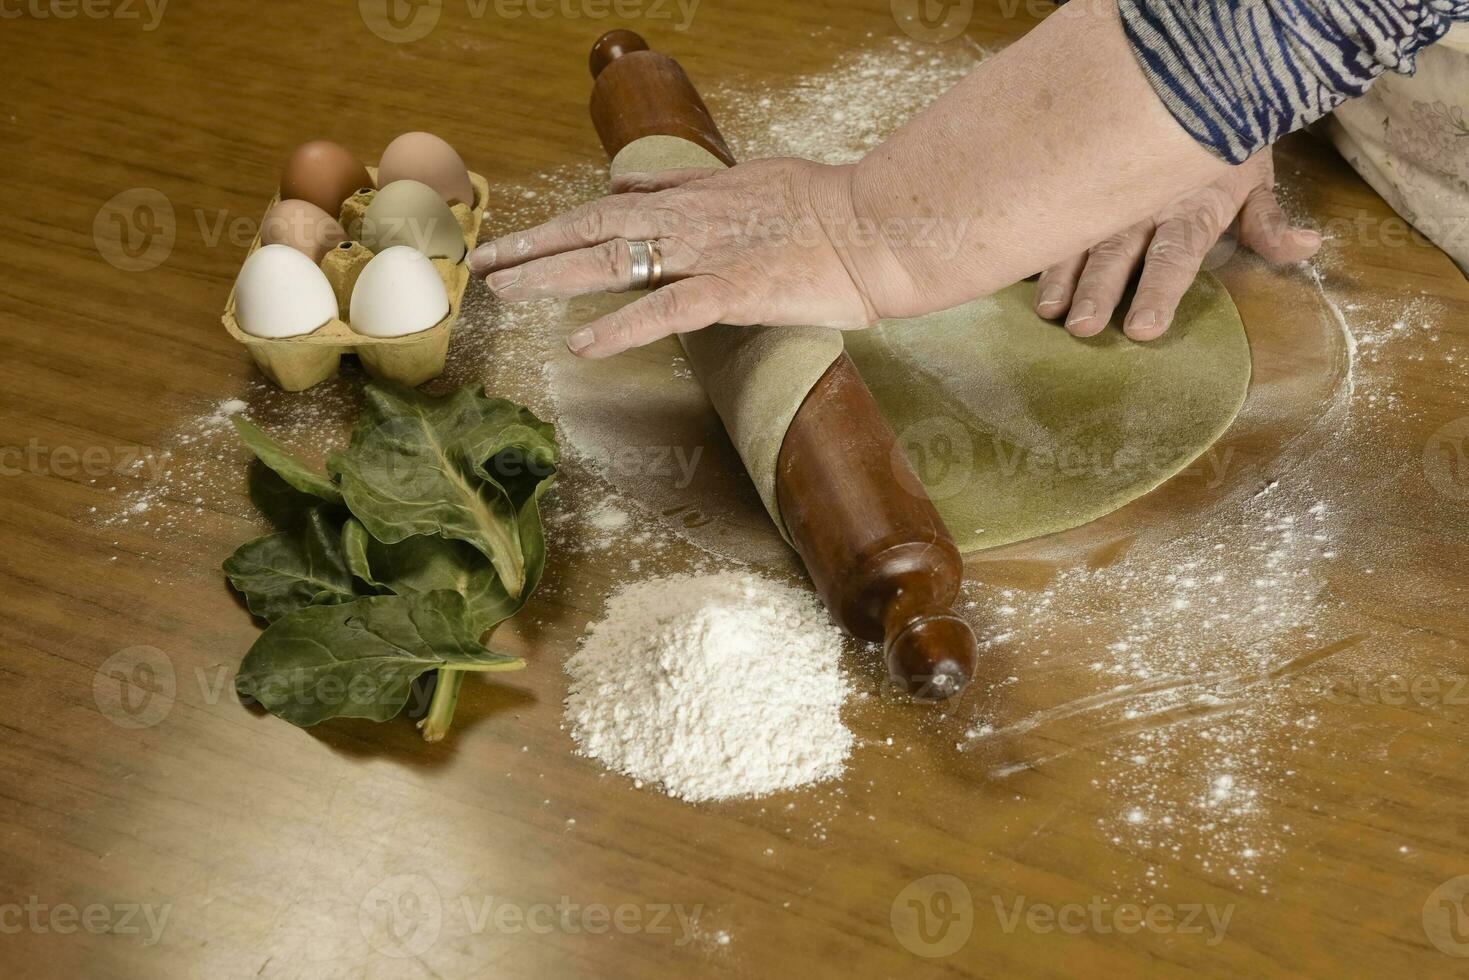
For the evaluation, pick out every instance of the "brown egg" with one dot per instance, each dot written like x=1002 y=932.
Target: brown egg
x=429 y=160
x=303 y=226
x=324 y=174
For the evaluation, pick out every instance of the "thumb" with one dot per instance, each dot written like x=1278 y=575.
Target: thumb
x=1265 y=229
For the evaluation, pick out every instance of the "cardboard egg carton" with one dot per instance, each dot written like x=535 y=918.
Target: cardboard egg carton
x=297 y=363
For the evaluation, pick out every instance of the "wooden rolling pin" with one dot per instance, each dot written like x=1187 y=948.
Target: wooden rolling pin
x=875 y=547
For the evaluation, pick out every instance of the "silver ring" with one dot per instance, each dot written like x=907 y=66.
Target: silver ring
x=647 y=265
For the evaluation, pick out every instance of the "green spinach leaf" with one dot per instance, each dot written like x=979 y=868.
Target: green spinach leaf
x=288 y=467
x=289 y=570
x=282 y=504
x=429 y=563
x=359 y=659
x=462 y=467
x=355 y=542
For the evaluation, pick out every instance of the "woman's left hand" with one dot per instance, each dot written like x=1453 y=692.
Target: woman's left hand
x=1171 y=248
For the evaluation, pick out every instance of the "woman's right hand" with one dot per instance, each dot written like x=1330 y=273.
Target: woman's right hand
x=767 y=242
x=1170 y=248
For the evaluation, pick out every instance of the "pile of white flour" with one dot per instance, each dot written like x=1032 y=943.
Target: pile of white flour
x=713 y=686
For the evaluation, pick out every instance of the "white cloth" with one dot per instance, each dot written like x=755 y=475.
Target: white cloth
x=1409 y=138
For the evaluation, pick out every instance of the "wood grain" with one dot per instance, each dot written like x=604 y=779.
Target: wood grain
x=274 y=851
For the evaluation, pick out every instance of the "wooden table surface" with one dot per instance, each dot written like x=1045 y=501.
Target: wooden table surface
x=1004 y=835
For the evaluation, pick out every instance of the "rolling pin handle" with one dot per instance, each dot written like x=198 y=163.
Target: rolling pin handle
x=639 y=92
x=613 y=45
x=877 y=550
x=931 y=656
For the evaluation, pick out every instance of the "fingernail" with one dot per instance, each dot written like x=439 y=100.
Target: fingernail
x=482 y=258
x=1141 y=321
x=580 y=340
x=1081 y=312
x=1310 y=236
x=504 y=278
x=1052 y=296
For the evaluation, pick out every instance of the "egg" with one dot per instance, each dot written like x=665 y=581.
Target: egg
x=429 y=160
x=407 y=212
x=303 y=226
x=324 y=174
x=398 y=293
x=282 y=293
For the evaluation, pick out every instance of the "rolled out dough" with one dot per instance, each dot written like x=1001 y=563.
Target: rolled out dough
x=1016 y=428
x=1019 y=429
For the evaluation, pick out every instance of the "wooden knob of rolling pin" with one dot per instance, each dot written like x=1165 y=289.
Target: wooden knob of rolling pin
x=879 y=554
x=640 y=93
x=613 y=45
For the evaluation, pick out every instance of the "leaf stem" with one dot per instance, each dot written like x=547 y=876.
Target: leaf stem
x=435 y=724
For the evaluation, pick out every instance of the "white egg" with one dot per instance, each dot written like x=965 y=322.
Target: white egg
x=281 y=293
x=398 y=293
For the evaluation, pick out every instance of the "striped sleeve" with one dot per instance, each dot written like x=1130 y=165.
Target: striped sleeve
x=1240 y=74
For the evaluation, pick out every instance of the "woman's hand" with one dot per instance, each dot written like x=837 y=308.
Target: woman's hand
x=1171 y=248
x=766 y=242
x=781 y=242
x=1053 y=143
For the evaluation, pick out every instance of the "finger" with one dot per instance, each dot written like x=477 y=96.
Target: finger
x=602 y=268
x=623 y=216
x=1264 y=227
x=1109 y=268
x=689 y=304
x=605 y=268
x=1056 y=285
x=661 y=181
x=1169 y=269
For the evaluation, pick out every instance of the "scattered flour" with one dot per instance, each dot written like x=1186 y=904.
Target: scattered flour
x=1164 y=665
x=714 y=686
x=609 y=517
x=1209 y=651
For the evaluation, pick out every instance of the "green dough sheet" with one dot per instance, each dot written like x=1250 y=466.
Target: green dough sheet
x=1019 y=429
x=1016 y=428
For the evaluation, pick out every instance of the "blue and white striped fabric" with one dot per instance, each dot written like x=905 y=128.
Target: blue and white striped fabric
x=1240 y=74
